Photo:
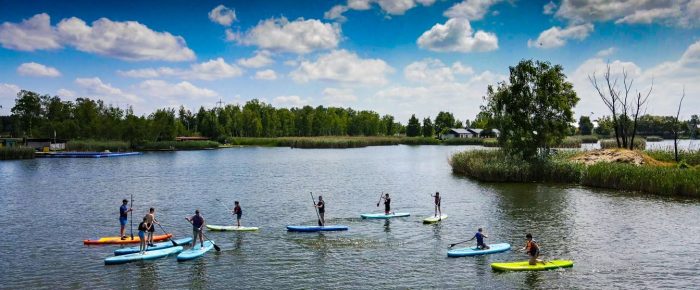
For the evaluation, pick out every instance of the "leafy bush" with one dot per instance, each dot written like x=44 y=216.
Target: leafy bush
x=9 y=153
x=97 y=146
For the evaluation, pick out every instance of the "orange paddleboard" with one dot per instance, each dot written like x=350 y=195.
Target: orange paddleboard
x=119 y=241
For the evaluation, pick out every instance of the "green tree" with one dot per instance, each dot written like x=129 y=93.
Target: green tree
x=481 y=121
x=585 y=126
x=692 y=126
x=533 y=110
x=428 y=128
x=443 y=122
x=388 y=125
x=28 y=110
x=413 y=128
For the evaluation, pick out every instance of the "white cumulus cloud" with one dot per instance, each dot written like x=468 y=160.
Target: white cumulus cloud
x=344 y=67
x=222 y=15
x=165 y=90
x=95 y=88
x=260 y=59
x=33 y=69
x=457 y=35
x=682 y=13
x=299 y=36
x=289 y=101
x=470 y=9
x=267 y=75
x=31 y=34
x=390 y=7
x=430 y=71
x=339 y=96
x=557 y=36
x=606 y=52
x=212 y=69
x=65 y=93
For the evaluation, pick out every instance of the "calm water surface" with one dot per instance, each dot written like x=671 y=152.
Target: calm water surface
x=617 y=240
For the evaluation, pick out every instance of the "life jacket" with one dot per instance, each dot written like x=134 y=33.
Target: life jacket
x=532 y=247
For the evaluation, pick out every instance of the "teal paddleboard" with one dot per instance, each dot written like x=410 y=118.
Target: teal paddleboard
x=384 y=216
x=474 y=251
x=195 y=252
x=157 y=246
x=150 y=255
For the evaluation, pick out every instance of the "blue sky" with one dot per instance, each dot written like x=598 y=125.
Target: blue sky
x=394 y=57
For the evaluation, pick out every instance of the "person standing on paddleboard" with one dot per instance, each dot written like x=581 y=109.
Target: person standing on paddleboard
x=479 y=236
x=321 y=206
x=151 y=219
x=387 y=204
x=238 y=212
x=533 y=250
x=143 y=229
x=123 y=218
x=438 y=199
x=197 y=221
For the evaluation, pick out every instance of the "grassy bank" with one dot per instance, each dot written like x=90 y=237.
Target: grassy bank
x=654 y=139
x=177 y=145
x=331 y=141
x=494 y=166
x=463 y=141
x=692 y=157
x=590 y=139
x=10 y=153
x=97 y=146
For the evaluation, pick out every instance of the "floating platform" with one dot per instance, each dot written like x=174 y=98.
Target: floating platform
x=84 y=154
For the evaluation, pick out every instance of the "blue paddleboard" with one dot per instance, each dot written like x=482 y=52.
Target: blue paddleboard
x=195 y=252
x=150 y=255
x=156 y=246
x=317 y=228
x=474 y=251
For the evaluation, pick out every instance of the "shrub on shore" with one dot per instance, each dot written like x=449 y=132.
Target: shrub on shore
x=330 y=141
x=654 y=139
x=97 y=146
x=490 y=142
x=570 y=142
x=495 y=166
x=10 y=153
x=588 y=139
x=639 y=144
x=178 y=145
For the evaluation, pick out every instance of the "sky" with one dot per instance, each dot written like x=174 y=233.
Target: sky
x=397 y=57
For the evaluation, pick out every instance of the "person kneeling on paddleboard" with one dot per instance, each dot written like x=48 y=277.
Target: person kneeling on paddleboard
x=533 y=250
x=238 y=212
x=321 y=205
x=143 y=228
x=197 y=225
x=387 y=204
x=479 y=236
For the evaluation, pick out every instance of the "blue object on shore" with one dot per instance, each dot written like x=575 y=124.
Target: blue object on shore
x=474 y=251
x=317 y=228
x=150 y=255
x=195 y=252
x=157 y=246
x=85 y=154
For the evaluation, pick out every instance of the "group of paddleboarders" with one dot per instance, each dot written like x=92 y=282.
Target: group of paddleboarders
x=149 y=219
x=531 y=247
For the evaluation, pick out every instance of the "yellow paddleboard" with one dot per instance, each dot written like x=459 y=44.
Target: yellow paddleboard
x=434 y=219
x=525 y=266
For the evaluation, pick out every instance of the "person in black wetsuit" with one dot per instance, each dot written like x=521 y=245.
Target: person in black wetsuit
x=321 y=206
x=387 y=204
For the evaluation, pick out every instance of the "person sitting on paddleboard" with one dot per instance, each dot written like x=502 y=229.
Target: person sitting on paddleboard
x=387 y=204
x=438 y=199
x=533 y=250
x=143 y=228
x=321 y=205
x=479 y=236
x=123 y=218
x=238 y=212
x=151 y=219
x=197 y=225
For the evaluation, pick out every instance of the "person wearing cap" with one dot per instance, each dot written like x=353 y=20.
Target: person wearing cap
x=123 y=217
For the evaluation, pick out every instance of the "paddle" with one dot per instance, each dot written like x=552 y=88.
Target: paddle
x=316 y=209
x=131 y=212
x=380 y=198
x=222 y=203
x=171 y=238
x=452 y=245
x=205 y=236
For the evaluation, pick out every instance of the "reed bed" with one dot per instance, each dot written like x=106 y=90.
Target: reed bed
x=331 y=141
x=639 y=144
x=587 y=139
x=650 y=179
x=463 y=141
x=654 y=139
x=97 y=145
x=10 y=153
x=490 y=142
x=691 y=157
x=570 y=142
x=178 y=145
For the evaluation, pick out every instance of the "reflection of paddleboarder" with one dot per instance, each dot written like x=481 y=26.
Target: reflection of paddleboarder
x=387 y=203
x=238 y=212
x=438 y=199
x=321 y=206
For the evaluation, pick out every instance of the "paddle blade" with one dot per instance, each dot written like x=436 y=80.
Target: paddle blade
x=217 y=248
x=174 y=243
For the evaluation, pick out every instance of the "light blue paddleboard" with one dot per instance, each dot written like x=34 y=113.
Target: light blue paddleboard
x=474 y=251
x=384 y=216
x=156 y=246
x=150 y=255
x=317 y=228
x=195 y=252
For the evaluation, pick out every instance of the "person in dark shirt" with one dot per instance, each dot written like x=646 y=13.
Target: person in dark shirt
x=479 y=236
x=123 y=218
x=143 y=229
x=321 y=206
x=197 y=225
x=532 y=249
x=238 y=212
x=438 y=200
x=387 y=204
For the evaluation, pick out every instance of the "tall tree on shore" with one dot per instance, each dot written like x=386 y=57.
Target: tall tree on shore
x=585 y=126
x=533 y=109
x=428 y=129
x=444 y=121
x=677 y=127
x=413 y=127
x=28 y=110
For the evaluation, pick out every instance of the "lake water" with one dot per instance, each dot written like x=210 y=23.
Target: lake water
x=617 y=240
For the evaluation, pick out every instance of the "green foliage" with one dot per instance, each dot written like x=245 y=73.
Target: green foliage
x=490 y=142
x=428 y=129
x=533 y=110
x=655 y=180
x=587 y=138
x=482 y=121
x=639 y=144
x=178 y=145
x=605 y=126
x=691 y=157
x=569 y=142
x=654 y=139
x=443 y=122
x=413 y=128
x=9 y=153
x=585 y=126
x=331 y=141
x=97 y=146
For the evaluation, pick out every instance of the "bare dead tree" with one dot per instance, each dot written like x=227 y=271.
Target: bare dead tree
x=640 y=102
x=677 y=127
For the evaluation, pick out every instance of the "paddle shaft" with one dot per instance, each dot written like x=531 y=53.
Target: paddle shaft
x=205 y=236
x=316 y=209
x=222 y=203
x=380 y=198
x=132 y=217
x=452 y=245
x=171 y=239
